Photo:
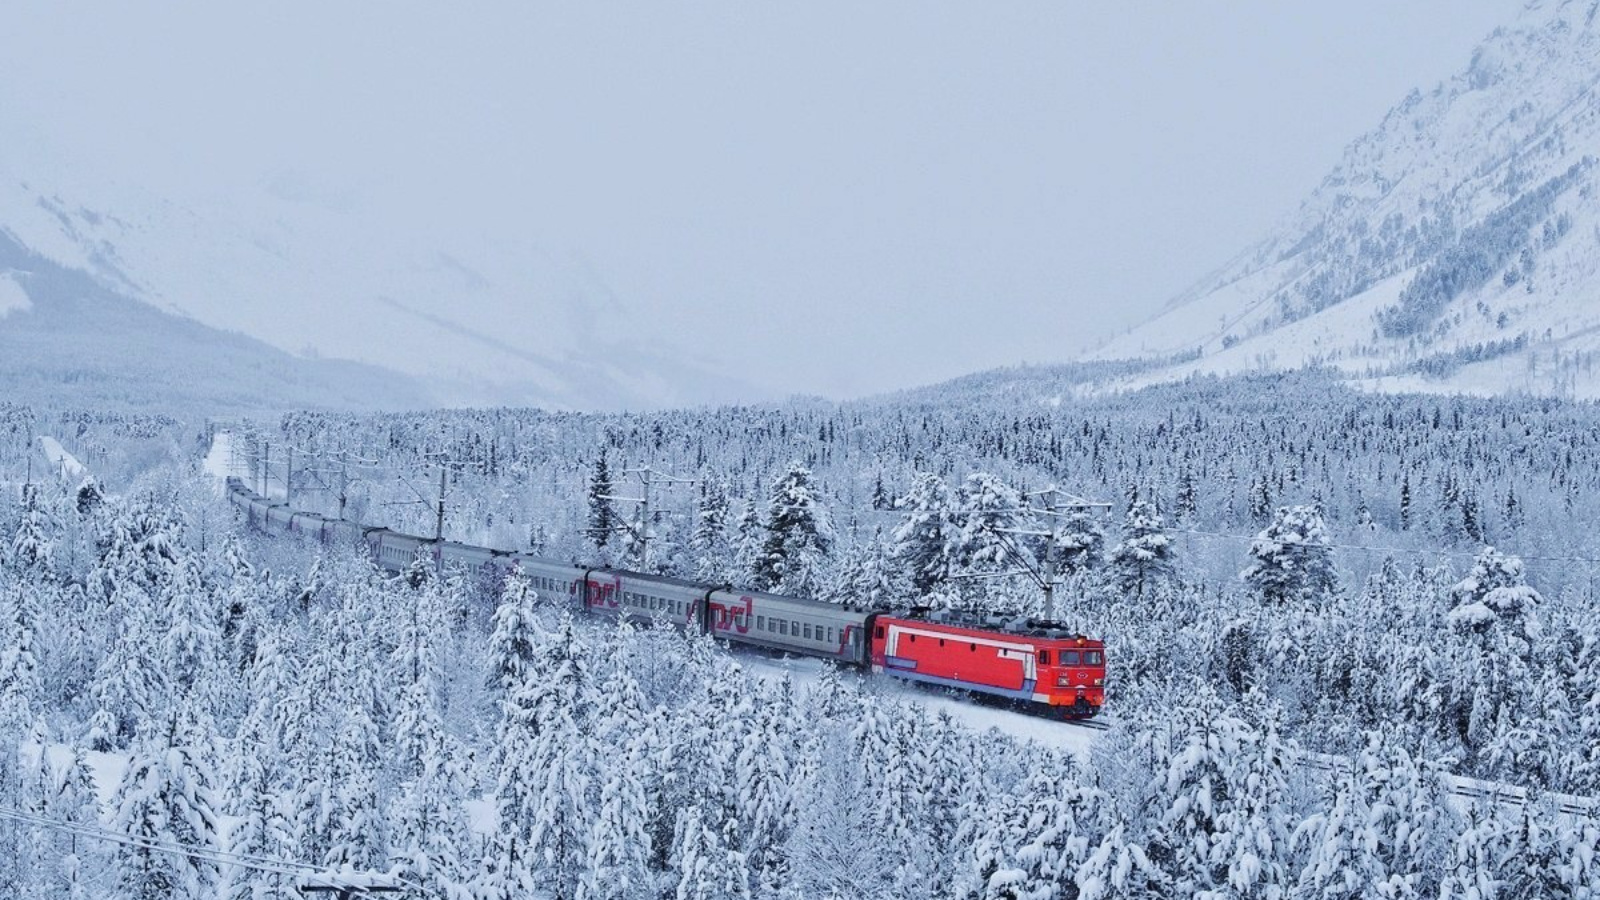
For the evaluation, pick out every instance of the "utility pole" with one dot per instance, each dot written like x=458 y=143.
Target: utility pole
x=344 y=487
x=1052 y=576
x=288 y=477
x=648 y=478
x=438 y=522
x=266 y=466
x=1060 y=503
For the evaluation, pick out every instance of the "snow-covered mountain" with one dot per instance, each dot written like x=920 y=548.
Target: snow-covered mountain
x=68 y=339
x=1455 y=247
x=315 y=271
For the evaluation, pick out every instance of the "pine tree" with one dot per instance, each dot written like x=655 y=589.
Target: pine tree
x=880 y=494
x=32 y=547
x=1291 y=561
x=1142 y=561
x=617 y=840
x=924 y=544
x=798 y=536
x=1383 y=831
x=709 y=545
x=1080 y=543
x=165 y=798
x=603 y=519
x=512 y=644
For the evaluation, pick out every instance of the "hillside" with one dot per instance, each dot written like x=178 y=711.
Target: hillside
x=319 y=273
x=67 y=338
x=1455 y=247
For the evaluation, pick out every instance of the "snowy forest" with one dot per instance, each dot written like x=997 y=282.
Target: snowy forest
x=1323 y=610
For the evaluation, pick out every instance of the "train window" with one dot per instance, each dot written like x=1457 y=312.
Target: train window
x=913 y=639
x=794 y=628
x=878 y=632
x=973 y=647
x=1069 y=657
x=1044 y=657
x=808 y=631
x=783 y=627
x=761 y=623
x=941 y=642
x=1093 y=658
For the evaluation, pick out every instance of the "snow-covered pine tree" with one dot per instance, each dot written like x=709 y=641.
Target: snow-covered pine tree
x=1080 y=543
x=617 y=840
x=924 y=543
x=1141 y=563
x=546 y=777
x=603 y=520
x=798 y=536
x=709 y=547
x=1383 y=832
x=165 y=798
x=515 y=637
x=1290 y=561
x=706 y=862
x=33 y=545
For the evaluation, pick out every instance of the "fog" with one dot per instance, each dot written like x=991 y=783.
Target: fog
x=828 y=198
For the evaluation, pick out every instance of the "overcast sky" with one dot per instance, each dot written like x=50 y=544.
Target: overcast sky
x=852 y=197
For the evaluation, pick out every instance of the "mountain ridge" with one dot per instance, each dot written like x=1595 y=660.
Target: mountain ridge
x=1452 y=248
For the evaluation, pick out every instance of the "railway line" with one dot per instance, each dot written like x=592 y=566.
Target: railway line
x=1038 y=665
x=1015 y=652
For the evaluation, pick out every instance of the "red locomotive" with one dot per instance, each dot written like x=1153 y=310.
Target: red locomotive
x=1033 y=662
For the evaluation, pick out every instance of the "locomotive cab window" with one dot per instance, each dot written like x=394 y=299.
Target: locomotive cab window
x=878 y=632
x=1093 y=658
x=1069 y=657
x=1044 y=657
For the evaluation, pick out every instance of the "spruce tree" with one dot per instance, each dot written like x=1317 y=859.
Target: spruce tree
x=924 y=543
x=603 y=520
x=1291 y=561
x=1142 y=561
x=798 y=536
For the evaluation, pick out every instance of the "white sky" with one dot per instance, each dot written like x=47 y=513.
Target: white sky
x=848 y=197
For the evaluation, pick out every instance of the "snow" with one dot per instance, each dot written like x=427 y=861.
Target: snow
x=1485 y=139
x=220 y=461
x=12 y=297
x=1060 y=735
x=60 y=460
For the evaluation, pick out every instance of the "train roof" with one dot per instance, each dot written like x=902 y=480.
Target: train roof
x=1022 y=626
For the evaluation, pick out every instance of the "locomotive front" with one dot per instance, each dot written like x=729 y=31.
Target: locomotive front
x=1072 y=673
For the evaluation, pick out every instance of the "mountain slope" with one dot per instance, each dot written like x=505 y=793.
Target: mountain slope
x=66 y=338
x=483 y=319
x=1454 y=247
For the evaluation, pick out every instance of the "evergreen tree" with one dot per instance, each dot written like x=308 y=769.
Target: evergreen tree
x=709 y=545
x=165 y=798
x=603 y=520
x=924 y=544
x=1291 y=561
x=32 y=547
x=798 y=536
x=513 y=642
x=1080 y=543
x=1142 y=561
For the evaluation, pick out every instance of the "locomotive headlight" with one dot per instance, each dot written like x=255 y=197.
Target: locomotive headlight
x=1063 y=681
x=1098 y=682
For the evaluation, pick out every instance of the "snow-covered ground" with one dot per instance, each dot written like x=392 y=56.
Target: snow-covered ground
x=61 y=461
x=12 y=297
x=966 y=711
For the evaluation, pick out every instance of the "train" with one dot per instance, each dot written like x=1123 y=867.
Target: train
x=1038 y=665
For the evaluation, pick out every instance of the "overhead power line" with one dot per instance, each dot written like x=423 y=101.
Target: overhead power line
x=287 y=868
